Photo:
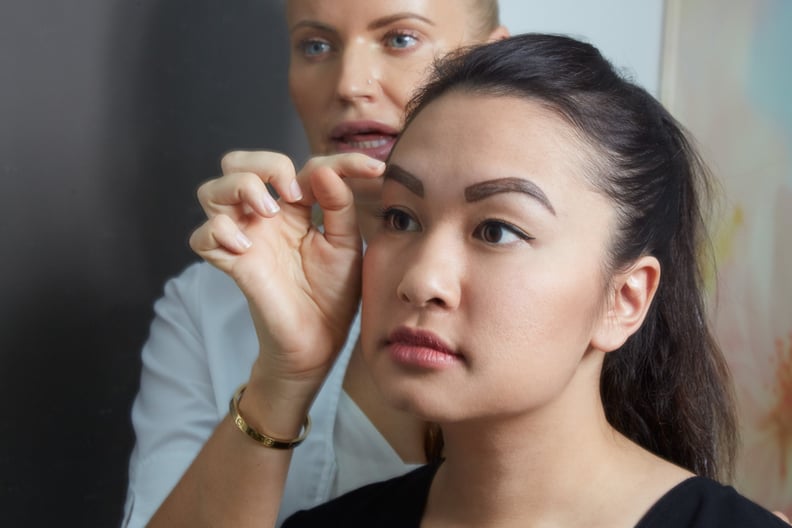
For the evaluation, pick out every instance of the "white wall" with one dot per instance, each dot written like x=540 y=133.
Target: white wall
x=628 y=32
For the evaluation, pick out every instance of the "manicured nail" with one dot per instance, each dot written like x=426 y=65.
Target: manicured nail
x=375 y=164
x=269 y=204
x=243 y=240
x=295 y=191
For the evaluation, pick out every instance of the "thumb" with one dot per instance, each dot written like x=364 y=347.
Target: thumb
x=338 y=207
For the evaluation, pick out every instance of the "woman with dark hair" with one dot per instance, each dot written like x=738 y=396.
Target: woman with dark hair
x=533 y=286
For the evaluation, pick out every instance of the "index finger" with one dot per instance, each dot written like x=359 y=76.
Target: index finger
x=272 y=168
x=348 y=165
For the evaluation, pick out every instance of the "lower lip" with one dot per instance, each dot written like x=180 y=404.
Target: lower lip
x=377 y=147
x=421 y=357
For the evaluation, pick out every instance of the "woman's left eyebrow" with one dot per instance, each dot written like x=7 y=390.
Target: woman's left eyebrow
x=479 y=191
x=398 y=17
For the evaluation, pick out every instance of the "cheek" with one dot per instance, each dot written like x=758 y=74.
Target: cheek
x=376 y=288
x=402 y=82
x=366 y=191
x=307 y=101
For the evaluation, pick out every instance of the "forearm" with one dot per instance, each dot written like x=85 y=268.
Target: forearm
x=236 y=481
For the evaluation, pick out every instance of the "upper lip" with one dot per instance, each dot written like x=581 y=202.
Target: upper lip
x=420 y=338
x=348 y=128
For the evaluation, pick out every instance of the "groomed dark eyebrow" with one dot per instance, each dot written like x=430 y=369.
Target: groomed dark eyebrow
x=398 y=174
x=376 y=24
x=479 y=191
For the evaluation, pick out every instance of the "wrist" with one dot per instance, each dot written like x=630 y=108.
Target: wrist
x=257 y=434
x=275 y=407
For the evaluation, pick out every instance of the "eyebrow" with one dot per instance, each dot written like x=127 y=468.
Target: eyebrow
x=477 y=191
x=398 y=174
x=480 y=191
x=376 y=24
x=396 y=17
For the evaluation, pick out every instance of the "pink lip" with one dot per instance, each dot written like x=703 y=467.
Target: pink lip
x=420 y=349
x=372 y=138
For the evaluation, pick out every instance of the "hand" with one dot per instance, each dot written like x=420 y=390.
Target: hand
x=302 y=284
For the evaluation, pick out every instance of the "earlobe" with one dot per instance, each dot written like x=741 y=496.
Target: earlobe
x=499 y=33
x=631 y=298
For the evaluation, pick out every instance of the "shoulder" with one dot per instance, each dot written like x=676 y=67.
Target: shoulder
x=399 y=501
x=699 y=502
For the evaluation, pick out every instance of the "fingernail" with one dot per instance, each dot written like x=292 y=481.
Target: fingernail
x=295 y=191
x=269 y=204
x=243 y=240
x=375 y=164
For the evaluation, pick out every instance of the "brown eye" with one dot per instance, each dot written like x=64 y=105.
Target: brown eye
x=495 y=232
x=398 y=220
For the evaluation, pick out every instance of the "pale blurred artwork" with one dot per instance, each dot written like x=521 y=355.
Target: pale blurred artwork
x=727 y=76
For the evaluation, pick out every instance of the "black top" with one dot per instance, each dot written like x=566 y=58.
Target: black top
x=399 y=502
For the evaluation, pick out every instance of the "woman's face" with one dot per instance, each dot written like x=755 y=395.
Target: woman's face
x=483 y=287
x=355 y=63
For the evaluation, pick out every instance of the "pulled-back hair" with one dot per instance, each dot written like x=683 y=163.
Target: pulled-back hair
x=668 y=387
x=487 y=15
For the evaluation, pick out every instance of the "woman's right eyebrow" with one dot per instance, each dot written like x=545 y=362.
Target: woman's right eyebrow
x=411 y=182
x=312 y=24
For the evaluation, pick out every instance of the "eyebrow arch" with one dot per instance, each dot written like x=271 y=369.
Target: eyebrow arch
x=398 y=174
x=376 y=24
x=396 y=17
x=479 y=191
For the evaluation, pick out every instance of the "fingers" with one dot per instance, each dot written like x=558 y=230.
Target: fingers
x=217 y=238
x=243 y=186
x=337 y=203
x=351 y=165
x=271 y=167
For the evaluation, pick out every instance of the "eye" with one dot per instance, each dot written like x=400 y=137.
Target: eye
x=314 y=48
x=398 y=220
x=497 y=232
x=400 y=40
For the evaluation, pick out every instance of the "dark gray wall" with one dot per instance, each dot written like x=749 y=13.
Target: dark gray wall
x=111 y=113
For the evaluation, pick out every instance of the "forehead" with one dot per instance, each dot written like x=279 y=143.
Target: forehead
x=445 y=13
x=476 y=136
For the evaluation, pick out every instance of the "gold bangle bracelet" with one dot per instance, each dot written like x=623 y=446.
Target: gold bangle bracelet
x=265 y=440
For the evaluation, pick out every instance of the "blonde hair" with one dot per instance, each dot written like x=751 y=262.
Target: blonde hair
x=486 y=16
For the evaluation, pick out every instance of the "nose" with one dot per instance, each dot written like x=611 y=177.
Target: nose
x=432 y=276
x=360 y=72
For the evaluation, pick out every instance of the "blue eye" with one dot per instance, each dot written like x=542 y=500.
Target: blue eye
x=313 y=47
x=401 y=40
x=497 y=232
x=398 y=220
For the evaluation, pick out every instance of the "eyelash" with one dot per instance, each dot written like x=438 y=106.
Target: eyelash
x=387 y=215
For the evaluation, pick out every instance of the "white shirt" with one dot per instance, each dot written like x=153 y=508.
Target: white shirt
x=201 y=347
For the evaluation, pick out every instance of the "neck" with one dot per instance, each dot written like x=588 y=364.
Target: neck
x=563 y=465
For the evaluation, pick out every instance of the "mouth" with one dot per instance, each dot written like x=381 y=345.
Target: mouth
x=420 y=349
x=372 y=138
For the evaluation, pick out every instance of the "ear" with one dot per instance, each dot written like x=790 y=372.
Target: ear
x=630 y=298
x=499 y=33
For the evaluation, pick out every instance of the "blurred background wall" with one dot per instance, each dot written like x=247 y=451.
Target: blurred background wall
x=111 y=113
